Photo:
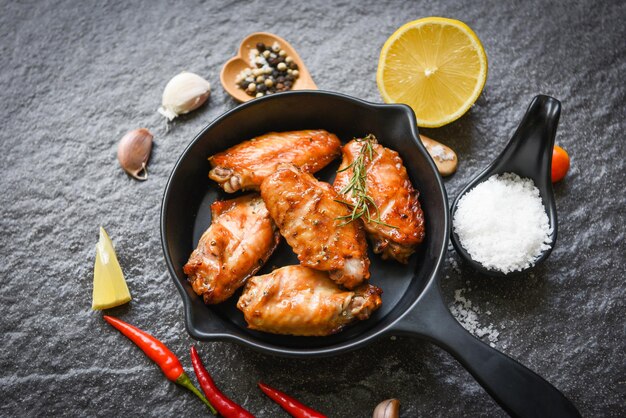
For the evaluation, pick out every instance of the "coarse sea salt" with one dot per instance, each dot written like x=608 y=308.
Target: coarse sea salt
x=467 y=314
x=502 y=223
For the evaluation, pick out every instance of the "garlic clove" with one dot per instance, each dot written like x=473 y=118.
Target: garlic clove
x=183 y=93
x=444 y=157
x=389 y=408
x=133 y=152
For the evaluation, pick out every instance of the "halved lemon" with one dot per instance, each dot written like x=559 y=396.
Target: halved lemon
x=435 y=65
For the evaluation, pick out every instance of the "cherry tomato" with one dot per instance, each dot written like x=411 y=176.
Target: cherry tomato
x=560 y=163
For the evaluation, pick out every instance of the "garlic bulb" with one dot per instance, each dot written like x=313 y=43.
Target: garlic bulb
x=184 y=93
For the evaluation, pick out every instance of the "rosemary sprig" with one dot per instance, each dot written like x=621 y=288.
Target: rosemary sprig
x=357 y=185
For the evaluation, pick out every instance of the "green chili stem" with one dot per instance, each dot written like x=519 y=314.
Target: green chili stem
x=184 y=381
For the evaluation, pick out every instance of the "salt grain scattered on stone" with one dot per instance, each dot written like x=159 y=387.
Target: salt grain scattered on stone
x=467 y=314
x=502 y=223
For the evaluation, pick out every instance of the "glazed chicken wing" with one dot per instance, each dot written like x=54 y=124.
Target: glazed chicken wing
x=307 y=214
x=240 y=239
x=388 y=184
x=246 y=165
x=298 y=300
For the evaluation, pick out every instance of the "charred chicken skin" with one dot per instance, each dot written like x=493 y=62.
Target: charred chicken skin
x=298 y=300
x=401 y=224
x=307 y=214
x=242 y=236
x=246 y=165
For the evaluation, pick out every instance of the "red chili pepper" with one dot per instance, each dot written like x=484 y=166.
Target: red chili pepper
x=289 y=404
x=223 y=404
x=160 y=354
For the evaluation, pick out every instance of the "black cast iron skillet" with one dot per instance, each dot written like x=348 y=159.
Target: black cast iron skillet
x=412 y=303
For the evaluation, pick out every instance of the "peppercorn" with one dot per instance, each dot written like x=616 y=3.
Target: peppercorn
x=275 y=71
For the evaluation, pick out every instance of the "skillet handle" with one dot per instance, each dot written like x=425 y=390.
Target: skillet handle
x=517 y=389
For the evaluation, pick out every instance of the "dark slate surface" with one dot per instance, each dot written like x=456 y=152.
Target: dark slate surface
x=77 y=75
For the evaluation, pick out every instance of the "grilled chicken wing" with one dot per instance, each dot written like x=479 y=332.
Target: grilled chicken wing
x=389 y=186
x=306 y=212
x=246 y=165
x=242 y=236
x=298 y=300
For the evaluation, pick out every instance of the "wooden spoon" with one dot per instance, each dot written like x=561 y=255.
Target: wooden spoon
x=444 y=157
x=242 y=61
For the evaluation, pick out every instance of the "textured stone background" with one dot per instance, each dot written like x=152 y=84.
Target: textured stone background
x=77 y=75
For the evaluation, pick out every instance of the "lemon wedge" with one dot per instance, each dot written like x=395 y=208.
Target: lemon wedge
x=435 y=65
x=109 y=286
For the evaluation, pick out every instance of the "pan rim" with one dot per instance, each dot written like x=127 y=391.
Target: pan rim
x=352 y=343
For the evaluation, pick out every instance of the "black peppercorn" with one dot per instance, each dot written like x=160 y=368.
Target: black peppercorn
x=260 y=46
